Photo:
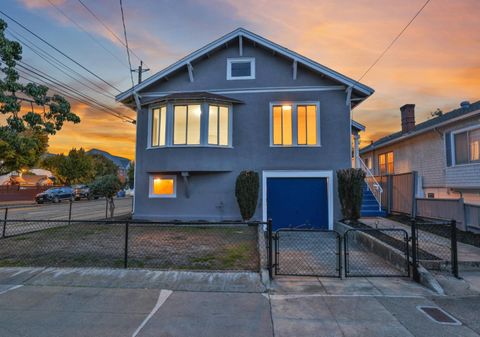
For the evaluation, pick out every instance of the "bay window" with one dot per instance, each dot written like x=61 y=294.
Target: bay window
x=159 y=126
x=186 y=126
x=218 y=125
x=295 y=124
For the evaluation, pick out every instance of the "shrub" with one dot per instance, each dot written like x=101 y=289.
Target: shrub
x=246 y=191
x=350 y=192
x=107 y=186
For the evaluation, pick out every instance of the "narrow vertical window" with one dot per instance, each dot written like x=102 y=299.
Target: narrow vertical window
x=312 y=125
x=277 y=125
x=193 y=125
x=302 y=124
x=287 y=124
x=474 y=140
x=224 y=126
x=158 y=132
x=180 y=125
x=213 y=124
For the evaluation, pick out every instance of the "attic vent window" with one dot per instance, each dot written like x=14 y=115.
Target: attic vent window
x=241 y=68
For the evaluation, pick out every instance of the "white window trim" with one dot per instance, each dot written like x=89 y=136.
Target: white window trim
x=250 y=60
x=169 y=132
x=299 y=174
x=452 y=145
x=162 y=176
x=294 y=123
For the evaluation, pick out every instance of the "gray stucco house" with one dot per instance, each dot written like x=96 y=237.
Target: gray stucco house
x=239 y=103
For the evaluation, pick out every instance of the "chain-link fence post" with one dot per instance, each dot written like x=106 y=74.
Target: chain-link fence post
x=453 y=246
x=70 y=212
x=125 y=261
x=270 y=248
x=416 y=276
x=5 y=217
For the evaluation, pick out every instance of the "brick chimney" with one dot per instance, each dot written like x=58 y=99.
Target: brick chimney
x=408 y=117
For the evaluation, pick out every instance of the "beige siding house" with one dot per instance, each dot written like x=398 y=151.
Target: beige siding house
x=445 y=151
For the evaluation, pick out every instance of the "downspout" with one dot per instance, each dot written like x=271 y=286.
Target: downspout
x=138 y=108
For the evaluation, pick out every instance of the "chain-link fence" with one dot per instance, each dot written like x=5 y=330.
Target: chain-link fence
x=130 y=244
x=376 y=252
x=307 y=252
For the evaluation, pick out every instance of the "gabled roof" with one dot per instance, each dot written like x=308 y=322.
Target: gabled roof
x=357 y=86
x=428 y=125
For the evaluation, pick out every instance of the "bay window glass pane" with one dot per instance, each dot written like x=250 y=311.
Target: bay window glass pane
x=163 y=125
x=193 y=125
x=287 y=124
x=311 y=124
x=213 y=124
x=302 y=124
x=155 y=126
x=223 y=126
x=461 y=148
x=474 y=141
x=180 y=124
x=277 y=125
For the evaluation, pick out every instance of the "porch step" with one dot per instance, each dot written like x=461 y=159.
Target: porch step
x=370 y=207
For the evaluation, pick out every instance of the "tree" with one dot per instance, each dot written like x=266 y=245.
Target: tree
x=75 y=168
x=246 y=191
x=131 y=174
x=350 y=192
x=103 y=166
x=436 y=113
x=24 y=138
x=107 y=186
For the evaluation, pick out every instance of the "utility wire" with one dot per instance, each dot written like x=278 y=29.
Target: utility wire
x=87 y=33
x=108 y=29
x=394 y=40
x=57 y=64
x=58 y=50
x=126 y=43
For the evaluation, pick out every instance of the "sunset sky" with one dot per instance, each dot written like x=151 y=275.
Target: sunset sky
x=435 y=64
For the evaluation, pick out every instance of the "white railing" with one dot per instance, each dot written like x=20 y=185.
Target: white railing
x=372 y=183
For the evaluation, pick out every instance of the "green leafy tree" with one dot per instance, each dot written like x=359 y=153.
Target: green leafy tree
x=107 y=186
x=75 y=168
x=103 y=166
x=131 y=174
x=246 y=191
x=24 y=138
x=350 y=192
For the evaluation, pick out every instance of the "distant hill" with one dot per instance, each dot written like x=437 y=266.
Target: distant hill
x=121 y=162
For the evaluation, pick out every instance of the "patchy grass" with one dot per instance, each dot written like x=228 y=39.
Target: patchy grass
x=229 y=247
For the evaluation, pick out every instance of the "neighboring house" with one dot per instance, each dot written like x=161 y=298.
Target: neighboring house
x=242 y=102
x=445 y=151
x=122 y=163
x=34 y=177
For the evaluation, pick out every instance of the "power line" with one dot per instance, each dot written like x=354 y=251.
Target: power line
x=394 y=40
x=87 y=33
x=57 y=64
x=59 y=51
x=108 y=28
x=126 y=43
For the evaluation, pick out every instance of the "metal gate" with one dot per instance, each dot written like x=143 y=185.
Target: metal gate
x=366 y=252
x=307 y=252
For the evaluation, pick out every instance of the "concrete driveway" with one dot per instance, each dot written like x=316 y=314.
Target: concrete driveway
x=138 y=303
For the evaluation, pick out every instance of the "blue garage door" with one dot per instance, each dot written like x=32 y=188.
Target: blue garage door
x=297 y=202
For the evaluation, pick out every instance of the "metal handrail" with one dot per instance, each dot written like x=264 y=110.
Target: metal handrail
x=372 y=183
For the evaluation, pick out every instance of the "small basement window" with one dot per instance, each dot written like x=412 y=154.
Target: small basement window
x=162 y=186
x=241 y=68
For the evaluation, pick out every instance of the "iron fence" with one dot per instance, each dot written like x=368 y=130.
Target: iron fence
x=368 y=252
x=130 y=244
x=307 y=252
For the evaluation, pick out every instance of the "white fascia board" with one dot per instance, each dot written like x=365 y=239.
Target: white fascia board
x=260 y=40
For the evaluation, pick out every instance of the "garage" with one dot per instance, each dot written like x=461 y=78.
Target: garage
x=300 y=199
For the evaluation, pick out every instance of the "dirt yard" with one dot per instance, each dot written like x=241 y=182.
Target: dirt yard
x=229 y=247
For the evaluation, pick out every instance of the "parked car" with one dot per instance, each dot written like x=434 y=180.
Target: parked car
x=55 y=195
x=81 y=191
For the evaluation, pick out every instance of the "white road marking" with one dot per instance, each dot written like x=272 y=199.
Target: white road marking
x=11 y=288
x=293 y=296
x=164 y=294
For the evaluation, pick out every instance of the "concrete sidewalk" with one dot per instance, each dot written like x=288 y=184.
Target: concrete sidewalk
x=43 y=302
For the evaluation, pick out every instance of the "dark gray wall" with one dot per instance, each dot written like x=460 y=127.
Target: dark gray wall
x=211 y=191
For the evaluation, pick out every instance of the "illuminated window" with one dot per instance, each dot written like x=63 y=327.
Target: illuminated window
x=159 y=126
x=186 y=129
x=385 y=163
x=295 y=125
x=467 y=147
x=241 y=68
x=163 y=186
x=218 y=125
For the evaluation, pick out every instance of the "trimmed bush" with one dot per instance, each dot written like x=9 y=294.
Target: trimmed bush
x=350 y=192
x=246 y=191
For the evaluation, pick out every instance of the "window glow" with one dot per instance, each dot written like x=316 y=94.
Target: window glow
x=163 y=186
x=218 y=125
x=186 y=129
x=283 y=118
x=385 y=163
